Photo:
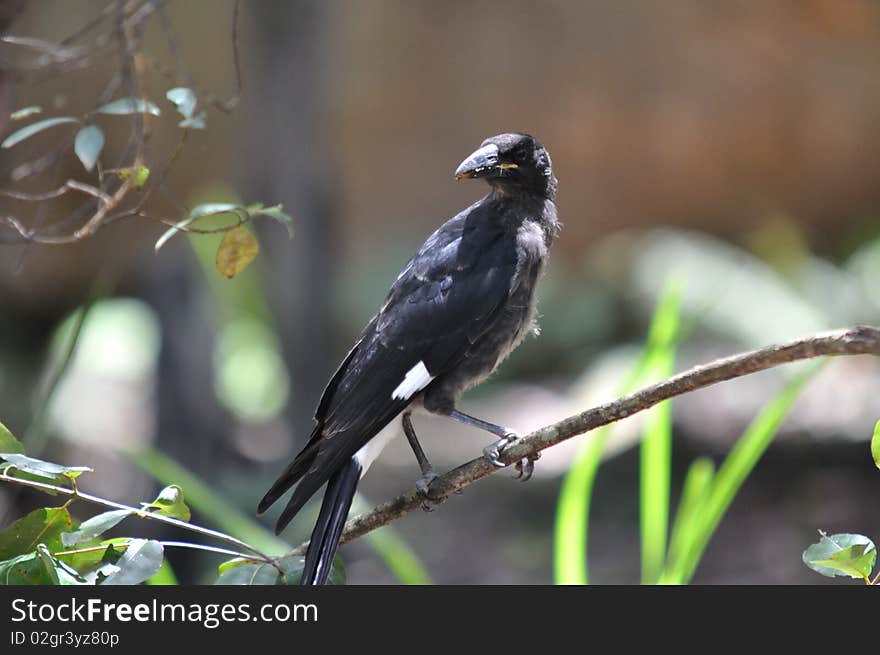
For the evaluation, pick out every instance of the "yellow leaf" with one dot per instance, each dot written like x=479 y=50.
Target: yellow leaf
x=236 y=251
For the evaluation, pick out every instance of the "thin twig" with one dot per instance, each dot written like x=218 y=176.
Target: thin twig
x=91 y=226
x=97 y=500
x=231 y=103
x=165 y=544
x=70 y=185
x=859 y=340
x=209 y=549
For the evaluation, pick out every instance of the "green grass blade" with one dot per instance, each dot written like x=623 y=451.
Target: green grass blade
x=738 y=464
x=573 y=512
x=656 y=446
x=571 y=529
x=655 y=464
x=399 y=557
x=695 y=491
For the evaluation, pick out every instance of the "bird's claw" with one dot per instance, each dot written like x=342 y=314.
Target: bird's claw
x=526 y=467
x=493 y=451
x=423 y=485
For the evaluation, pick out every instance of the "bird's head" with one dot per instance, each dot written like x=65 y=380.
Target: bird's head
x=511 y=162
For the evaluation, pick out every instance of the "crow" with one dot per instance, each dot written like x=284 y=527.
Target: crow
x=456 y=311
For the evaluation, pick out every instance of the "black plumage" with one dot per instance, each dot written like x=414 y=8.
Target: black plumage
x=456 y=310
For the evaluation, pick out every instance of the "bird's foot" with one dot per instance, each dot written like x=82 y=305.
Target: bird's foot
x=493 y=451
x=423 y=485
x=526 y=467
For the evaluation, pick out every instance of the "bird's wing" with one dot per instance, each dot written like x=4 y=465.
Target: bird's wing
x=443 y=300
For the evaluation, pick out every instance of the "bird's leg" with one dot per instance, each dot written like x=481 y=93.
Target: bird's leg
x=492 y=452
x=428 y=472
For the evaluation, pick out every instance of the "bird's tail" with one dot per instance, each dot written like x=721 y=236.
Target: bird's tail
x=340 y=491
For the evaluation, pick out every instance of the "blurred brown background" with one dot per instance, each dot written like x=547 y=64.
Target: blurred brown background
x=733 y=142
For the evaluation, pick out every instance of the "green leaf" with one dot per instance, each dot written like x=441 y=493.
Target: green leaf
x=45 y=525
x=165 y=576
x=58 y=572
x=276 y=212
x=169 y=502
x=34 y=128
x=233 y=563
x=141 y=175
x=853 y=555
x=107 y=565
x=247 y=572
x=88 y=145
x=213 y=208
x=25 y=569
x=875 y=445
x=24 y=112
x=46 y=558
x=237 y=250
x=8 y=443
x=292 y=565
x=208 y=209
x=45 y=470
x=91 y=557
x=141 y=561
x=125 y=106
x=184 y=99
x=94 y=527
x=37 y=568
x=241 y=571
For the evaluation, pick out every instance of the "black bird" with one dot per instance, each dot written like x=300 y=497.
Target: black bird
x=455 y=312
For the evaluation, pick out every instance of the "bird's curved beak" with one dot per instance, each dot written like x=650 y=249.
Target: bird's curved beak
x=483 y=162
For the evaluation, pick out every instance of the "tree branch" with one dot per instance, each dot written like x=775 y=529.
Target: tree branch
x=859 y=340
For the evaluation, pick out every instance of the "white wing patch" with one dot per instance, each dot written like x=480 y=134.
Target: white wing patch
x=414 y=381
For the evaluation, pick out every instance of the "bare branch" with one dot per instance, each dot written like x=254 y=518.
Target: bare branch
x=70 y=185
x=108 y=203
x=859 y=340
x=231 y=103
